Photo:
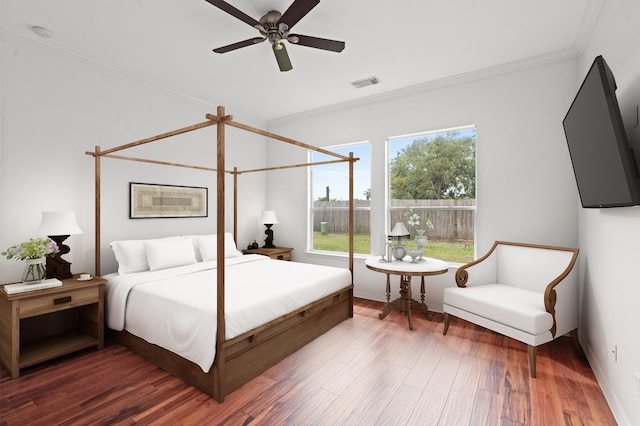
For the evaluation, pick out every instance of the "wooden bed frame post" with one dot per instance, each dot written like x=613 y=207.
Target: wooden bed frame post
x=351 y=216
x=235 y=205
x=97 y=210
x=221 y=332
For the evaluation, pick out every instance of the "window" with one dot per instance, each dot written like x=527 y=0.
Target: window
x=329 y=200
x=433 y=175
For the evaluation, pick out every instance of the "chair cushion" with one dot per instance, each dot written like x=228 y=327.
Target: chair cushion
x=514 y=307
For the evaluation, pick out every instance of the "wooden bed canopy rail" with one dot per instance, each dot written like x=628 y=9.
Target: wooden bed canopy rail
x=227 y=351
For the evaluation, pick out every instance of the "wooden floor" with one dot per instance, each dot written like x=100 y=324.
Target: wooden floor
x=365 y=371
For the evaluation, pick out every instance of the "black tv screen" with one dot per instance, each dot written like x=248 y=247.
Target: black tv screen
x=603 y=162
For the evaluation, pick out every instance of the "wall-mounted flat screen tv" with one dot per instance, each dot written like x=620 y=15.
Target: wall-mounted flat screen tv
x=603 y=162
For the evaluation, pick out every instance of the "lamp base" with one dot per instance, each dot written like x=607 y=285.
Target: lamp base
x=268 y=242
x=56 y=266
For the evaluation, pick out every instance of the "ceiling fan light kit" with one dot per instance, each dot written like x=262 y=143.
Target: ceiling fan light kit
x=275 y=27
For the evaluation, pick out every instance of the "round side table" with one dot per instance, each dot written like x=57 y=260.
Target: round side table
x=406 y=269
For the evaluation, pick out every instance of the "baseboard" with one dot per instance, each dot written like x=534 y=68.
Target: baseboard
x=603 y=381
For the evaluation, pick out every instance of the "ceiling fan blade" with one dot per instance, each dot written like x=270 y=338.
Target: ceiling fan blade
x=220 y=4
x=238 y=45
x=297 y=11
x=284 y=63
x=316 y=42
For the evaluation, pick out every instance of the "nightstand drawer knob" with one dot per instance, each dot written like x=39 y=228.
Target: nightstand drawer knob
x=280 y=257
x=62 y=300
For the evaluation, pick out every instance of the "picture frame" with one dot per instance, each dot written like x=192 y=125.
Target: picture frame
x=150 y=200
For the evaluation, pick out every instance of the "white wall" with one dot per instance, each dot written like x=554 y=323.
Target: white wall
x=526 y=189
x=609 y=237
x=55 y=107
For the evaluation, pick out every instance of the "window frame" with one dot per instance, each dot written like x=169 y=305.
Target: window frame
x=310 y=199
x=388 y=208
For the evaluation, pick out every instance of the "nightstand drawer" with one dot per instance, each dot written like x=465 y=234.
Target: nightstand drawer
x=55 y=302
x=281 y=256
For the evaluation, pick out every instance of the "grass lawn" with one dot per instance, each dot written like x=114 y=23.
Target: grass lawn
x=451 y=251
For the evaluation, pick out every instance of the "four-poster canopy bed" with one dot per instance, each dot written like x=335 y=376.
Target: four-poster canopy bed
x=239 y=358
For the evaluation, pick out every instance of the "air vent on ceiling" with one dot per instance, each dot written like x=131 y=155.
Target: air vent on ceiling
x=369 y=81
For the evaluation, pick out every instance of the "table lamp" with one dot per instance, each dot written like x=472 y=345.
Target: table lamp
x=399 y=231
x=58 y=226
x=269 y=219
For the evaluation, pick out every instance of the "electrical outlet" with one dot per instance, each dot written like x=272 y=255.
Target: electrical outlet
x=637 y=380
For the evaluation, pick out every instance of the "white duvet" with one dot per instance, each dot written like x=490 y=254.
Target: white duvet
x=176 y=308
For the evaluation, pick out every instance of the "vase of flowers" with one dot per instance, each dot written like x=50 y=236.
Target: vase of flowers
x=420 y=238
x=33 y=253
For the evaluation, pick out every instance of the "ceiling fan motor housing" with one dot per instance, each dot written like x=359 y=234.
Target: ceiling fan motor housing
x=273 y=31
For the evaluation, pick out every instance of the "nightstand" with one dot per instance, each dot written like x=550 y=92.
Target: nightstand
x=278 y=253
x=39 y=325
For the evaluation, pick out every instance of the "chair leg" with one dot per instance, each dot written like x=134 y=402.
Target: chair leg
x=576 y=343
x=446 y=323
x=532 y=360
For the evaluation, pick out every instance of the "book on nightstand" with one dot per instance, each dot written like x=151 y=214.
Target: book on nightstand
x=23 y=287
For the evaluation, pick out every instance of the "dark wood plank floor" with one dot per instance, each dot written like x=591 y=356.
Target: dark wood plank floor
x=365 y=371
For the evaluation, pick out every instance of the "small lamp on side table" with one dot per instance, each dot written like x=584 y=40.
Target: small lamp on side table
x=269 y=219
x=58 y=226
x=399 y=231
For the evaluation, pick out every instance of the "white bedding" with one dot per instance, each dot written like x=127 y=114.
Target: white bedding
x=176 y=308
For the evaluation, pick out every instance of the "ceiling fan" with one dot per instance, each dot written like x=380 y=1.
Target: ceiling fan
x=276 y=27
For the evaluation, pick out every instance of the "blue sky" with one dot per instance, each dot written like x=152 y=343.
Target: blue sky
x=336 y=176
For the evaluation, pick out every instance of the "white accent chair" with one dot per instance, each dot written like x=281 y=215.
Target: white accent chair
x=524 y=291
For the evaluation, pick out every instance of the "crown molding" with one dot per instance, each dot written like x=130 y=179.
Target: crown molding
x=455 y=80
x=90 y=63
x=587 y=24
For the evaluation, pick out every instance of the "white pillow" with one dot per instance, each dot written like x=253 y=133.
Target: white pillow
x=194 y=241
x=208 y=246
x=131 y=255
x=169 y=253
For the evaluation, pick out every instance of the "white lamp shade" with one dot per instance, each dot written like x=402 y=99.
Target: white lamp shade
x=399 y=230
x=58 y=223
x=269 y=217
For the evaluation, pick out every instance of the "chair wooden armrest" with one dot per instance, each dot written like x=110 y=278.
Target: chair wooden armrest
x=462 y=275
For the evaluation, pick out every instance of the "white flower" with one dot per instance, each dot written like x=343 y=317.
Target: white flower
x=414 y=220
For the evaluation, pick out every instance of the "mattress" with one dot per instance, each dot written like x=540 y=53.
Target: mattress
x=175 y=308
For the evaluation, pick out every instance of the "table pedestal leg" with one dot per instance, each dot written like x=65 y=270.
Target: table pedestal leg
x=387 y=306
x=405 y=302
x=421 y=306
x=406 y=299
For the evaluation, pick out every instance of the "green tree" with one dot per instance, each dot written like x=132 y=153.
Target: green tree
x=434 y=169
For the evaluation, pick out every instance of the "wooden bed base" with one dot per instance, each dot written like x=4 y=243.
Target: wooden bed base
x=248 y=355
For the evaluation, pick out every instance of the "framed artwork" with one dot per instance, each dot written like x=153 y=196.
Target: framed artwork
x=149 y=200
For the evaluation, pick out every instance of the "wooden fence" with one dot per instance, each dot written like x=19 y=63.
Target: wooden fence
x=451 y=219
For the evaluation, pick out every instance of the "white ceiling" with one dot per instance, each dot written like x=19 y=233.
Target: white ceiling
x=404 y=43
